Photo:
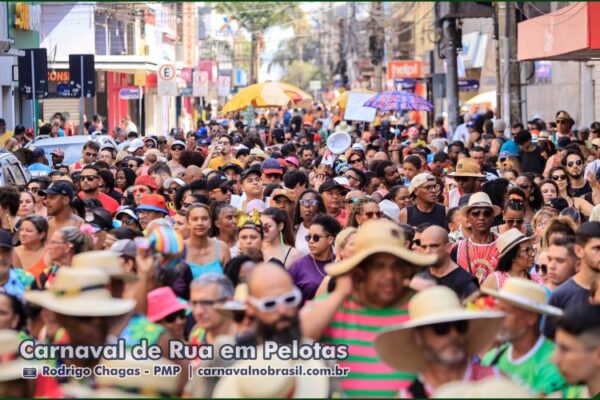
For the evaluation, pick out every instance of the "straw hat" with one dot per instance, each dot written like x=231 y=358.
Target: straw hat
x=108 y=261
x=379 y=236
x=273 y=386
x=525 y=294
x=11 y=367
x=467 y=167
x=430 y=306
x=148 y=385
x=509 y=239
x=481 y=199
x=80 y=292
x=500 y=388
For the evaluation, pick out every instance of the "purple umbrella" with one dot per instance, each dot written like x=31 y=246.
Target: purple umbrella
x=398 y=101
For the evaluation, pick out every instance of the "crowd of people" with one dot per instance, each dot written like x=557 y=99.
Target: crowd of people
x=448 y=263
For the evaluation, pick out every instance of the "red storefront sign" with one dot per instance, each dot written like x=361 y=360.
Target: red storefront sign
x=404 y=69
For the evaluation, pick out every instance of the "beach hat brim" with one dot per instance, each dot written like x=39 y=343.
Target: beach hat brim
x=344 y=266
x=467 y=174
x=79 y=306
x=513 y=244
x=152 y=208
x=523 y=302
x=483 y=327
x=173 y=308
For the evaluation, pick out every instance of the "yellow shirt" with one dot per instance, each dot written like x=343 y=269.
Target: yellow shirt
x=218 y=162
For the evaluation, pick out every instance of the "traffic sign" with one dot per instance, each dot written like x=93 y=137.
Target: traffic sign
x=314 y=85
x=200 y=85
x=167 y=82
x=130 y=93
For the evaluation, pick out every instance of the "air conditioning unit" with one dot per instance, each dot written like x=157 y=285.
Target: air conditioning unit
x=4 y=46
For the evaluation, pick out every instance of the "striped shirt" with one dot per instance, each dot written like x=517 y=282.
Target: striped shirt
x=356 y=326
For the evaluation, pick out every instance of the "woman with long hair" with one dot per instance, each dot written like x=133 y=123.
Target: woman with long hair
x=278 y=238
x=30 y=255
x=224 y=225
x=363 y=210
x=549 y=190
x=125 y=179
x=26 y=204
x=204 y=254
x=399 y=194
x=561 y=178
x=533 y=196
x=309 y=271
x=308 y=206
x=34 y=186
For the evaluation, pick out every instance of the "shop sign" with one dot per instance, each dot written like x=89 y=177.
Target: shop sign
x=404 y=69
x=27 y=16
x=130 y=93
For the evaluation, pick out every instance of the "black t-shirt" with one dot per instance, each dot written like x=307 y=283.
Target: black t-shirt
x=585 y=189
x=459 y=280
x=532 y=161
x=568 y=294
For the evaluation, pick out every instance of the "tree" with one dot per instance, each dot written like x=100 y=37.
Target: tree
x=256 y=18
x=300 y=73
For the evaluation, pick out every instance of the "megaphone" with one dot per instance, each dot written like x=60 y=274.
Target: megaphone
x=339 y=142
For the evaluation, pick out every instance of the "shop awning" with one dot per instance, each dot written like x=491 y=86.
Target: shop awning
x=127 y=64
x=571 y=33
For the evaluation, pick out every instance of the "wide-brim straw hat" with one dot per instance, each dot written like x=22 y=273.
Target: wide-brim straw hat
x=379 y=236
x=11 y=367
x=524 y=294
x=481 y=199
x=106 y=260
x=431 y=306
x=489 y=388
x=80 y=292
x=467 y=167
x=509 y=239
x=273 y=386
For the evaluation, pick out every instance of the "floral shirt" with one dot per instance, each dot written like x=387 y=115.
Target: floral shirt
x=18 y=281
x=138 y=328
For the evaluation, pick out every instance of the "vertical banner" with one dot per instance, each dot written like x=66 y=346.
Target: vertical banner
x=167 y=80
x=223 y=85
x=200 y=88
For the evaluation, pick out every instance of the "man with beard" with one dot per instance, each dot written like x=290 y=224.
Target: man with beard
x=90 y=188
x=58 y=197
x=424 y=190
x=388 y=173
x=371 y=291
x=525 y=354
x=574 y=165
x=307 y=155
x=439 y=342
x=468 y=180
x=576 y=290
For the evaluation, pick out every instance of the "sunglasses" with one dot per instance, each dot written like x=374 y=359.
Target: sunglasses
x=462 y=178
x=308 y=202
x=431 y=188
x=373 y=214
x=150 y=145
x=89 y=178
x=314 y=238
x=477 y=213
x=576 y=162
x=177 y=148
x=416 y=242
x=206 y=303
x=162 y=141
x=91 y=154
x=514 y=221
x=128 y=221
x=134 y=165
x=172 y=317
x=559 y=177
x=355 y=161
x=269 y=304
x=543 y=268
x=444 y=328
x=524 y=186
x=140 y=190
x=33 y=189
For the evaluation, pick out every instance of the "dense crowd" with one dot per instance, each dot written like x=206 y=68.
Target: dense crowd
x=449 y=263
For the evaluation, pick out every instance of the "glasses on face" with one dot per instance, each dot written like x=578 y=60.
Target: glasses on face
x=186 y=205
x=444 y=328
x=542 y=269
x=352 y=200
x=269 y=304
x=149 y=145
x=34 y=189
x=308 y=202
x=89 y=178
x=206 y=303
x=133 y=165
x=416 y=242
x=576 y=162
x=476 y=213
x=177 y=148
x=515 y=221
x=431 y=188
x=172 y=317
x=527 y=250
x=162 y=141
x=559 y=177
x=139 y=191
x=461 y=178
x=355 y=161
x=560 y=122
x=93 y=155
x=373 y=214
x=128 y=221
x=314 y=238
x=524 y=186
x=172 y=190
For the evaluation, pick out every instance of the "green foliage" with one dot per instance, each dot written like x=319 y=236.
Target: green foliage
x=301 y=73
x=259 y=16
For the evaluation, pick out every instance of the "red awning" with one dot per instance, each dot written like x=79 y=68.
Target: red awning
x=571 y=33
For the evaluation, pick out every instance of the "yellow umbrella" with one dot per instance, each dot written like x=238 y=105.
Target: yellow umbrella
x=266 y=95
x=342 y=101
x=483 y=98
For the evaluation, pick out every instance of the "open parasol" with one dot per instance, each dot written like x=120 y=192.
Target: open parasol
x=268 y=94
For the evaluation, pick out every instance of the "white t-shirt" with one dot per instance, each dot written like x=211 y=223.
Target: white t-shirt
x=301 y=244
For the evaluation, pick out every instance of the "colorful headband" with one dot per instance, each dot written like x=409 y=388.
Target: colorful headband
x=249 y=220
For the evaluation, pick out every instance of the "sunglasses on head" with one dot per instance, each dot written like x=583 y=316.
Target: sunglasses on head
x=559 y=177
x=486 y=213
x=269 y=304
x=89 y=178
x=314 y=238
x=172 y=317
x=576 y=162
x=444 y=328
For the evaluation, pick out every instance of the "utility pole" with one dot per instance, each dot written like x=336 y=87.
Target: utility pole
x=510 y=73
x=377 y=43
x=497 y=22
x=450 y=53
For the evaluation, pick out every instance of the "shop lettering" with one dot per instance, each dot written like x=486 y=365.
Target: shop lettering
x=58 y=76
x=27 y=17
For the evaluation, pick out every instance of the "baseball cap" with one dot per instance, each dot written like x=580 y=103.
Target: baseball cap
x=62 y=188
x=146 y=180
x=330 y=184
x=153 y=202
x=125 y=247
x=234 y=166
x=100 y=219
x=563 y=142
x=287 y=193
x=5 y=239
x=169 y=181
x=419 y=180
x=178 y=142
x=135 y=145
x=216 y=182
x=127 y=211
x=39 y=152
x=271 y=166
x=251 y=170
x=358 y=147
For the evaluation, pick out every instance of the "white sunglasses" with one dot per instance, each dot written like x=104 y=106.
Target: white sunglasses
x=269 y=304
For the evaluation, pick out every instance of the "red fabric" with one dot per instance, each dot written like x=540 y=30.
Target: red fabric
x=107 y=202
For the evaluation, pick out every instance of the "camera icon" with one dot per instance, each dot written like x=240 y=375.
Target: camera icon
x=29 y=373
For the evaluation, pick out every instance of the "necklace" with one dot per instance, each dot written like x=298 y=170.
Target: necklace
x=317 y=267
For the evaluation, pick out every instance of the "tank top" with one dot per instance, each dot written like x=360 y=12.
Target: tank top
x=437 y=216
x=453 y=198
x=214 y=267
x=502 y=277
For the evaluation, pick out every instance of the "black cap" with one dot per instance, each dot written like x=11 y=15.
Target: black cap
x=563 y=142
x=255 y=169
x=216 y=182
x=331 y=184
x=6 y=240
x=236 y=167
x=62 y=188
